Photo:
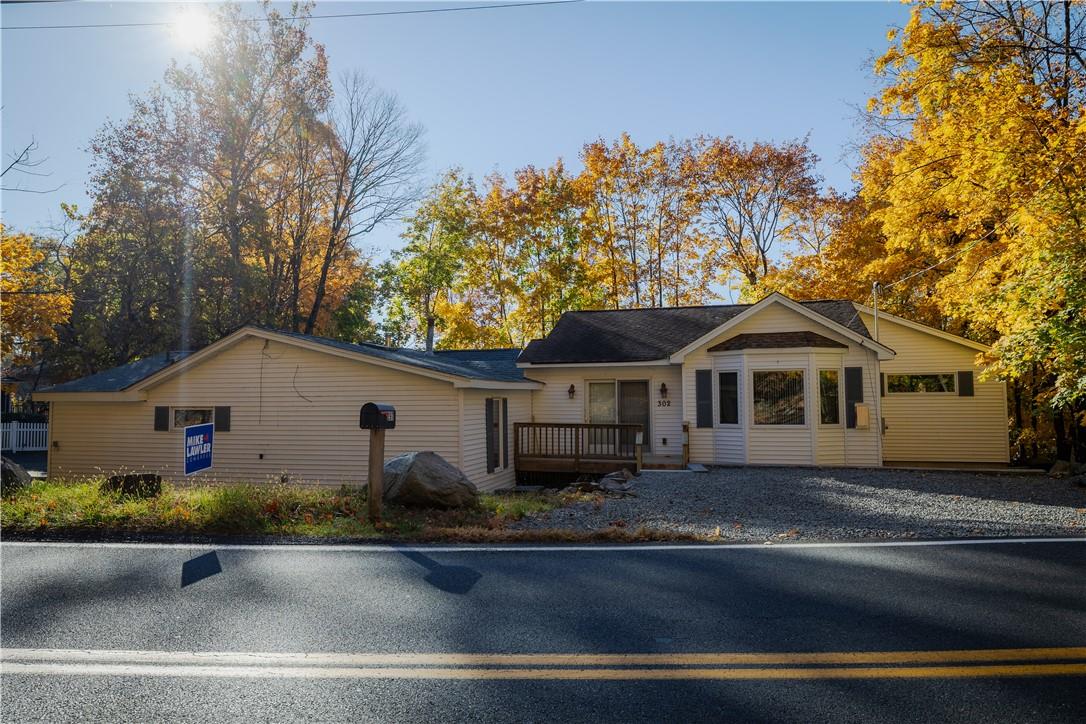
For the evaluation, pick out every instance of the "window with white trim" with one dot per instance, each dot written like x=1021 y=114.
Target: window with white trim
x=185 y=416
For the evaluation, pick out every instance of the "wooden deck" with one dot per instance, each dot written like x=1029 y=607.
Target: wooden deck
x=547 y=447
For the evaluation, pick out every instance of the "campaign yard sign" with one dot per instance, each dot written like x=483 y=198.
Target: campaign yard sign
x=198 y=443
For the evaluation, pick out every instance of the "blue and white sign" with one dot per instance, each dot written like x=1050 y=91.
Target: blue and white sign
x=198 y=442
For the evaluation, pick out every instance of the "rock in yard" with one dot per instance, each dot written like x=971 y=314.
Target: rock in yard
x=425 y=479
x=618 y=483
x=14 y=476
x=1061 y=468
x=139 y=485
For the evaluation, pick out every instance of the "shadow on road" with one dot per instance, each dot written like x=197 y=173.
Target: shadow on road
x=451 y=579
x=197 y=569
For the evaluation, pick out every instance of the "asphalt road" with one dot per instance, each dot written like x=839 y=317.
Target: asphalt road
x=858 y=633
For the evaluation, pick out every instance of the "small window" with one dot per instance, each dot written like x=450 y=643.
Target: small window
x=897 y=384
x=729 y=398
x=829 y=398
x=185 y=416
x=778 y=397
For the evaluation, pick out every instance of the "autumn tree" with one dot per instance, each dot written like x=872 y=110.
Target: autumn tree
x=972 y=199
x=33 y=298
x=641 y=207
x=431 y=258
x=240 y=190
x=751 y=197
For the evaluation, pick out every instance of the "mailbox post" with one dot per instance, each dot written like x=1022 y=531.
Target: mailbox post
x=376 y=418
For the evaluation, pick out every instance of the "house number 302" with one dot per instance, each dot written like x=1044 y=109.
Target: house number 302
x=663 y=403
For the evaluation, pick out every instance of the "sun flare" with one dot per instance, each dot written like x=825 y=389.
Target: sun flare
x=193 y=28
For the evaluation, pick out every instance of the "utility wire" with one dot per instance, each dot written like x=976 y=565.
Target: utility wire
x=168 y=23
x=1006 y=219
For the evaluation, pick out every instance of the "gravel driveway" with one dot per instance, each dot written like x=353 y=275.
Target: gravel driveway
x=804 y=503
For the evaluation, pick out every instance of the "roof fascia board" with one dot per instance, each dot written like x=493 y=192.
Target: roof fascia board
x=980 y=346
x=883 y=351
x=193 y=359
x=497 y=385
x=643 y=363
x=259 y=333
x=120 y=396
x=358 y=356
x=805 y=350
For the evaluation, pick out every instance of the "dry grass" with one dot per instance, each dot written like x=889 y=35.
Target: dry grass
x=83 y=507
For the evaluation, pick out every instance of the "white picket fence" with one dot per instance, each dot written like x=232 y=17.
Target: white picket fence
x=24 y=436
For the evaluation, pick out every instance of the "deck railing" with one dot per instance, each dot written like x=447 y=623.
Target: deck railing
x=575 y=447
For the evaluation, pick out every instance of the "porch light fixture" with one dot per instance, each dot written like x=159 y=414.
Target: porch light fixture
x=663 y=390
x=572 y=391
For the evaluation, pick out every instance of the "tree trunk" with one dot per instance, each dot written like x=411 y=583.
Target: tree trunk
x=1059 y=433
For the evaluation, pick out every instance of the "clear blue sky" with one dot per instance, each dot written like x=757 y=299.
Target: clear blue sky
x=495 y=89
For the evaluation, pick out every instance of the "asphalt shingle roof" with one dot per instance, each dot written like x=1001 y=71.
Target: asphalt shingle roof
x=498 y=365
x=119 y=378
x=628 y=335
x=641 y=335
x=776 y=340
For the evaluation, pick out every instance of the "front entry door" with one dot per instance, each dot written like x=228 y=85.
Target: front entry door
x=633 y=407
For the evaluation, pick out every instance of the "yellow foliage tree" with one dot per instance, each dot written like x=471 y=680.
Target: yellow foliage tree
x=31 y=302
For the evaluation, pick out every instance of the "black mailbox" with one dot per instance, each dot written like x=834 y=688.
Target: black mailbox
x=375 y=416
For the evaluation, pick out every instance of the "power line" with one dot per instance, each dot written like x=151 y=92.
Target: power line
x=1006 y=220
x=168 y=23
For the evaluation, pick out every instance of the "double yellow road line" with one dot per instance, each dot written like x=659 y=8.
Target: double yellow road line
x=959 y=664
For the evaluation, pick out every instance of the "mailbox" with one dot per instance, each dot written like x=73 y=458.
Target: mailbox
x=375 y=416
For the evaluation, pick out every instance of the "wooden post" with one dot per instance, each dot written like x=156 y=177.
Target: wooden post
x=376 y=474
x=686 y=444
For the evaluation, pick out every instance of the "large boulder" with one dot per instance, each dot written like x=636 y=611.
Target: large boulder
x=13 y=476
x=425 y=479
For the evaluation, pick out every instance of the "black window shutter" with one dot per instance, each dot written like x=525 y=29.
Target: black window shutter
x=162 y=419
x=965 y=383
x=505 y=432
x=703 y=388
x=882 y=384
x=854 y=393
x=222 y=419
x=729 y=398
x=491 y=445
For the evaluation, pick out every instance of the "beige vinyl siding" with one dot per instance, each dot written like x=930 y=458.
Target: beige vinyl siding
x=862 y=448
x=553 y=404
x=929 y=427
x=784 y=444
x=473 y=435
x=297 y=407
